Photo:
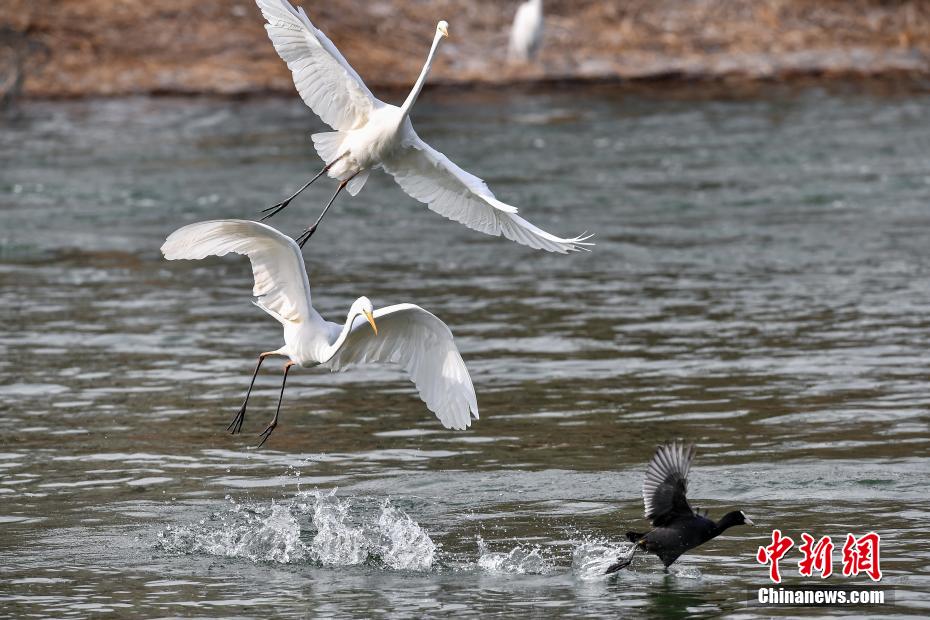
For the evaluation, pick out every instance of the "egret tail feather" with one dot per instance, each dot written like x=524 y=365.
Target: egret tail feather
x=327 y=145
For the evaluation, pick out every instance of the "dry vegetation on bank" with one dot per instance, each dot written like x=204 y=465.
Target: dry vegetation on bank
x=116 y=47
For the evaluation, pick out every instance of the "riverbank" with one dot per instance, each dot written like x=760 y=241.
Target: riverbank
x=218 y=47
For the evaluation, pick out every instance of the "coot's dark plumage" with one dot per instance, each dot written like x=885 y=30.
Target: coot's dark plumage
x=678 y=528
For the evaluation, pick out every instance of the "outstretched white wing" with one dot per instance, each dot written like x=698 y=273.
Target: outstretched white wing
x=324 y=78
x=281 y=283
x=429 y=176
x=422 y=345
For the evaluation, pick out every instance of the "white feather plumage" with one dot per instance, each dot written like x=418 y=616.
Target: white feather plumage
x=527 y=31
x=408 y=335
x=370 y=134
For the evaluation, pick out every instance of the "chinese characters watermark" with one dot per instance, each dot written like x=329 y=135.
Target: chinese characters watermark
x=860 y=555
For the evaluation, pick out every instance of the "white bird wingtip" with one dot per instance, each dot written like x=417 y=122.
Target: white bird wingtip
x=581 y=243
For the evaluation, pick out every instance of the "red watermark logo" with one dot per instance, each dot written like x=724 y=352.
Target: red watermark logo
x=817 y=557
x=860 y=555
x=773 y=553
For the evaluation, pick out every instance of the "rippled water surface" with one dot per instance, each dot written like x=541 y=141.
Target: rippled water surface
x=761 y=286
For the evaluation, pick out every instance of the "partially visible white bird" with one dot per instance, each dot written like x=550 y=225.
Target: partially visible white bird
x=527 y=31
x=372 y=134
x=404 y=334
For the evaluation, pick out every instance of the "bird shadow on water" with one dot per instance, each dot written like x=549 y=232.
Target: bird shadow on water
x=668 y=600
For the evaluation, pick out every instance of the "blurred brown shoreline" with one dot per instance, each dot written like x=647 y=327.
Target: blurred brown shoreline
x=81 y=48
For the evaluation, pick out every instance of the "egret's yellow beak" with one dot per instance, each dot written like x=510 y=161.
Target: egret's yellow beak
x=443 y=27
x=371 y=320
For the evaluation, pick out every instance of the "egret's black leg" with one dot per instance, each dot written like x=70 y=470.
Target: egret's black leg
x=275 y=209
x=613 y=568
x=305 y=235
x=236 y=425
x=274 y=421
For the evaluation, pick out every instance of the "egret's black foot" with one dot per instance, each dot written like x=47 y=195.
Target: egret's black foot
x=236 y=425
x=305 y=236
x=273 y=210
x=267 y=432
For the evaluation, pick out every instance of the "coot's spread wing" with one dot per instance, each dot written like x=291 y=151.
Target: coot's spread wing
x=666 y=484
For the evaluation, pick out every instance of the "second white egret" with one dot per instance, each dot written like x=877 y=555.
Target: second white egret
x=527 y=31
x=403 y=334
x=369 y=134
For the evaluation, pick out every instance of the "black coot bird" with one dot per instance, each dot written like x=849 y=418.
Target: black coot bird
x=677 y=527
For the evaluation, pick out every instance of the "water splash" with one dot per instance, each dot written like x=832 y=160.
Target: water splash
x=518 y=561
x=337 y=541
x=342 y=534
x=593 y=556
x=260 y=534
x=404 y=544
x=686 y=572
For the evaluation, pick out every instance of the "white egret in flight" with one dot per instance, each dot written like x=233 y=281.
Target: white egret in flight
x=369 y=134
x=527 y=30
x=403 y=334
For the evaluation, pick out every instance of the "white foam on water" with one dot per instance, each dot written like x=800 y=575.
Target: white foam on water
x=592 y=557
x=268 y=534
x=404 y=544
x=520 y=560
x=335 y=533
x=688 y=572
x=337 y=541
